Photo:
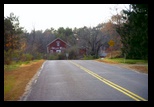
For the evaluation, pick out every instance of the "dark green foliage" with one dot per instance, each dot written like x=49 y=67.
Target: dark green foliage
x=134 y=33
x=64 y=34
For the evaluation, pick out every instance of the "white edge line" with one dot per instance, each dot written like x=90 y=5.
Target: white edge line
x=43 y=65
x=35 y=81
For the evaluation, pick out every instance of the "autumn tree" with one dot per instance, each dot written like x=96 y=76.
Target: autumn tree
x=12 y=32
x=109 y=30
x=13 y=38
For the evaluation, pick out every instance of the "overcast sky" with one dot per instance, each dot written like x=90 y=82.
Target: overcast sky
x=43 y=16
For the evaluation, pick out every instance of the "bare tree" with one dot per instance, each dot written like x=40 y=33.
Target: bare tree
x=91 y=39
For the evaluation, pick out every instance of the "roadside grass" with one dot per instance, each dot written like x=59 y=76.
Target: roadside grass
x=139 y=65
x=88 y=57
x=15 y=65
x=9 y=84
x=121 y=60
x=17 y=78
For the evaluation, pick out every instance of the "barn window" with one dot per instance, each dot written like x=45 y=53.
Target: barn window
x=58 y=51
x=58 y=43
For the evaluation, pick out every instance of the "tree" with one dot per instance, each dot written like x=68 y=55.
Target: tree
x=91 y=39
x=61 y=33
x=134 y=32
x=13 y=38
x=12 y=32
x=64 y=34
x=37 y=41
x=110 y=32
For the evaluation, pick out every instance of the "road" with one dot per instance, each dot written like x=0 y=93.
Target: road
x=87 y=80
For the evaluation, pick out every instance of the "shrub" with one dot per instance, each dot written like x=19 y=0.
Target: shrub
x=52 y=57
x=7 y=57
x=88 y=57
x=73 y=52
x=61 y=56
x=39 y=55
x=26 y=57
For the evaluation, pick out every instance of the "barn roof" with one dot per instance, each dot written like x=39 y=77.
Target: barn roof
x=55 y=40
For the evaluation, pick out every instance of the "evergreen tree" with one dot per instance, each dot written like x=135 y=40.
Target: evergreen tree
x=134 y=33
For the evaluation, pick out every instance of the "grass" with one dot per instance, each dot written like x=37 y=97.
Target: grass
x=121 y=60
x=8 y=84
x=16 y=79
x=15 y=65
x=116 y=58
x=88 y=57
x=138 y=65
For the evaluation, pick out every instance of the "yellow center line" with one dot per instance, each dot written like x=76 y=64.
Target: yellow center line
x=113 y=85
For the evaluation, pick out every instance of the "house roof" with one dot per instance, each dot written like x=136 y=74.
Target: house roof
x=59 y=39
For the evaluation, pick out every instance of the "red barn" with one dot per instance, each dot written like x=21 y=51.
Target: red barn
x=57 y=46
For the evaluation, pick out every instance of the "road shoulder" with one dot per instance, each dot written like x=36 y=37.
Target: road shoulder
x=141 y=68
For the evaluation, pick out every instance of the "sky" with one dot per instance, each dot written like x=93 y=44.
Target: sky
x=43 y=16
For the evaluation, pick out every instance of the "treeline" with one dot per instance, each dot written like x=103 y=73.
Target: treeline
x=128 y=30
x=20 y=45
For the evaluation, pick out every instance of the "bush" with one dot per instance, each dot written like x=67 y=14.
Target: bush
x=39 y=56
x=8 y=57
x=26 y=57
x=52 y=57
x=56 y=56
x=16 y=55
x=61 y=56
x=73 y=52
x=88 y=57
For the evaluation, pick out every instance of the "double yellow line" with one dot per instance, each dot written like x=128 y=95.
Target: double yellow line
x=113 y=85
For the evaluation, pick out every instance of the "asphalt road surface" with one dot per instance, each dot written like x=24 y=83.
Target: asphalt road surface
x=87 y=80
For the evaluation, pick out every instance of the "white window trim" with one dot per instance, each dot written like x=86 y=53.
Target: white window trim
x=58 y=51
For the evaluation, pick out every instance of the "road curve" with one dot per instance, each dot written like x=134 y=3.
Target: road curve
x=87 y=80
